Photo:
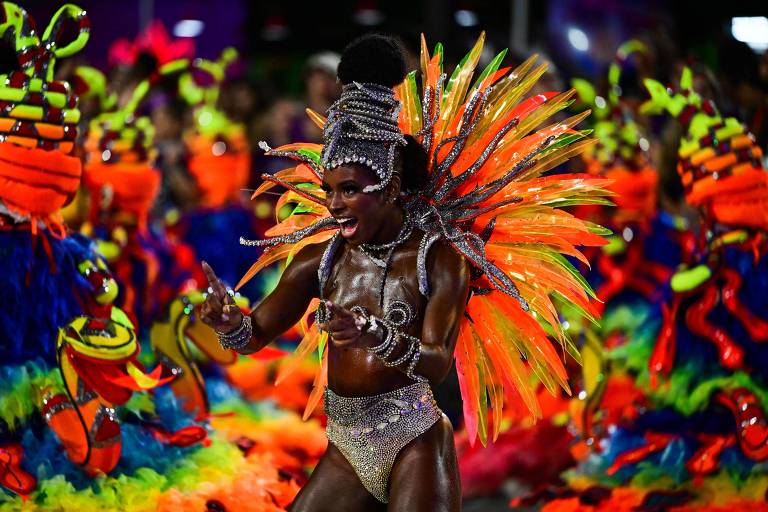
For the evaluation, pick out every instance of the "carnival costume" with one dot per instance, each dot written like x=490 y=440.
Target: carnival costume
x=219 y=163
x=123 y=183
x=485 y=197
x=60 y=314
x=156 y=290
x=700 y=439
x=77 y=428
x=629 y=275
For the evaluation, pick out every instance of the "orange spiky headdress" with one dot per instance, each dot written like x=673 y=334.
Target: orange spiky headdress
x=220 y=159
x=38 y=119
x=621 y=151
x=718 y=160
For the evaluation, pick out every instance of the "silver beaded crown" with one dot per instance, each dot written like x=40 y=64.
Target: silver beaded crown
x=362 y=128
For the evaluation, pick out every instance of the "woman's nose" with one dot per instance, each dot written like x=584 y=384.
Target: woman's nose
x=335 y=203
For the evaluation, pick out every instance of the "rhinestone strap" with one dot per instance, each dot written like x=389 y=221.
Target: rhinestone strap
x=409 y=372
x=240 y=337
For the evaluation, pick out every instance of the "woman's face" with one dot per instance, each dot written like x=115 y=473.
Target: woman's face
x=362 y=216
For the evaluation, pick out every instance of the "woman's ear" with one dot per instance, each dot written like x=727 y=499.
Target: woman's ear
x=392 y=190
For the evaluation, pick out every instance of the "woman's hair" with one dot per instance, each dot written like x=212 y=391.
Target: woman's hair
x=411 y=163
x=372 y=59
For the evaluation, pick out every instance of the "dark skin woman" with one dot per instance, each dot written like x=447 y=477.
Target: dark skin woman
x=425 y=475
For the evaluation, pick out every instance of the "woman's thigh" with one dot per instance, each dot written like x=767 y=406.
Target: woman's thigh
x=425 y=476
x=334 y=486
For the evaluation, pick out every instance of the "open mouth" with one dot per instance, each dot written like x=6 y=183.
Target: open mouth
x=348 y=226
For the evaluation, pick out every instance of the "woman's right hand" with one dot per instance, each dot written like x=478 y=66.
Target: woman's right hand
x=219 y=309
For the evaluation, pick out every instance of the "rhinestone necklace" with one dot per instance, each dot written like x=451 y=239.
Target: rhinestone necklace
x=386 y=262
x=371 y=249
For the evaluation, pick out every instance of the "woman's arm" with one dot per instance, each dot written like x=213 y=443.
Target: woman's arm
x=449 y=286
x=279 y=310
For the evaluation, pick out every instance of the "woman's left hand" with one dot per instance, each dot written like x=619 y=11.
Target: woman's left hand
x=344 y=327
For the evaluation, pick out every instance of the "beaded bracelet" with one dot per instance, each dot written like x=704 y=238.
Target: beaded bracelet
x=390 y=338
x=239 y=338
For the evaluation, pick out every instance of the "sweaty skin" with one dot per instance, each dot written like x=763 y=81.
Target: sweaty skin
x=425 y=475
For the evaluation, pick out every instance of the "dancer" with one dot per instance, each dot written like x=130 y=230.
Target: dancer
x=77 y=427
x=423 y=231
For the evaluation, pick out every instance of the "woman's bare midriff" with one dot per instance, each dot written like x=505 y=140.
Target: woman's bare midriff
x=355 y=281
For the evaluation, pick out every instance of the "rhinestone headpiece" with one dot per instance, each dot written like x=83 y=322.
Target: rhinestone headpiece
x=362 y=128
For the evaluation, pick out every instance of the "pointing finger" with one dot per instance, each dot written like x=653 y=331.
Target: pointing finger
x=214 y=282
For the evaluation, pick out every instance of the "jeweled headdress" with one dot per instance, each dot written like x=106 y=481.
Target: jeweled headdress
x=362 y=128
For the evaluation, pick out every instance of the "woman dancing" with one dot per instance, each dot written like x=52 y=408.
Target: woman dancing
x=393 y=233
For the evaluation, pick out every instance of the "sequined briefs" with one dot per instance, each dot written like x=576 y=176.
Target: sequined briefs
x=370 y=431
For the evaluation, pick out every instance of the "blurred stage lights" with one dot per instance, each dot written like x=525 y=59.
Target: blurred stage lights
x=274 y=29
x=218 y=148
x=368 y=14
x=188 y=28
x=752 y=30
x=600 y=102
x=465 y=18
x=578 y=39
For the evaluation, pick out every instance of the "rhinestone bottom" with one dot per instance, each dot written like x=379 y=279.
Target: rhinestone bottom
x=370 y=431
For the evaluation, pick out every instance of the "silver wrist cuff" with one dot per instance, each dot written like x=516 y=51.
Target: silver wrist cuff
x=240 y=337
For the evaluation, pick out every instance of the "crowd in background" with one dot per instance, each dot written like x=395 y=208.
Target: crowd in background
x=732 y=74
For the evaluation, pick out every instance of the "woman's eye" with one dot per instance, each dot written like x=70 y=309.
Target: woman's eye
x=349 y=190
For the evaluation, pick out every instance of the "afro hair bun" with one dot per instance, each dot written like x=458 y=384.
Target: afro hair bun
x=372 y=58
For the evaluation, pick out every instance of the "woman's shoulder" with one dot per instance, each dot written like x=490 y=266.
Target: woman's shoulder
x=308 y=258
x=443 y=255
x=438 y=248
x=440 y=257
x=446 y=269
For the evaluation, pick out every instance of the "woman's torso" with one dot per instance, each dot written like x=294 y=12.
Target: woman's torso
x=355 y=280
